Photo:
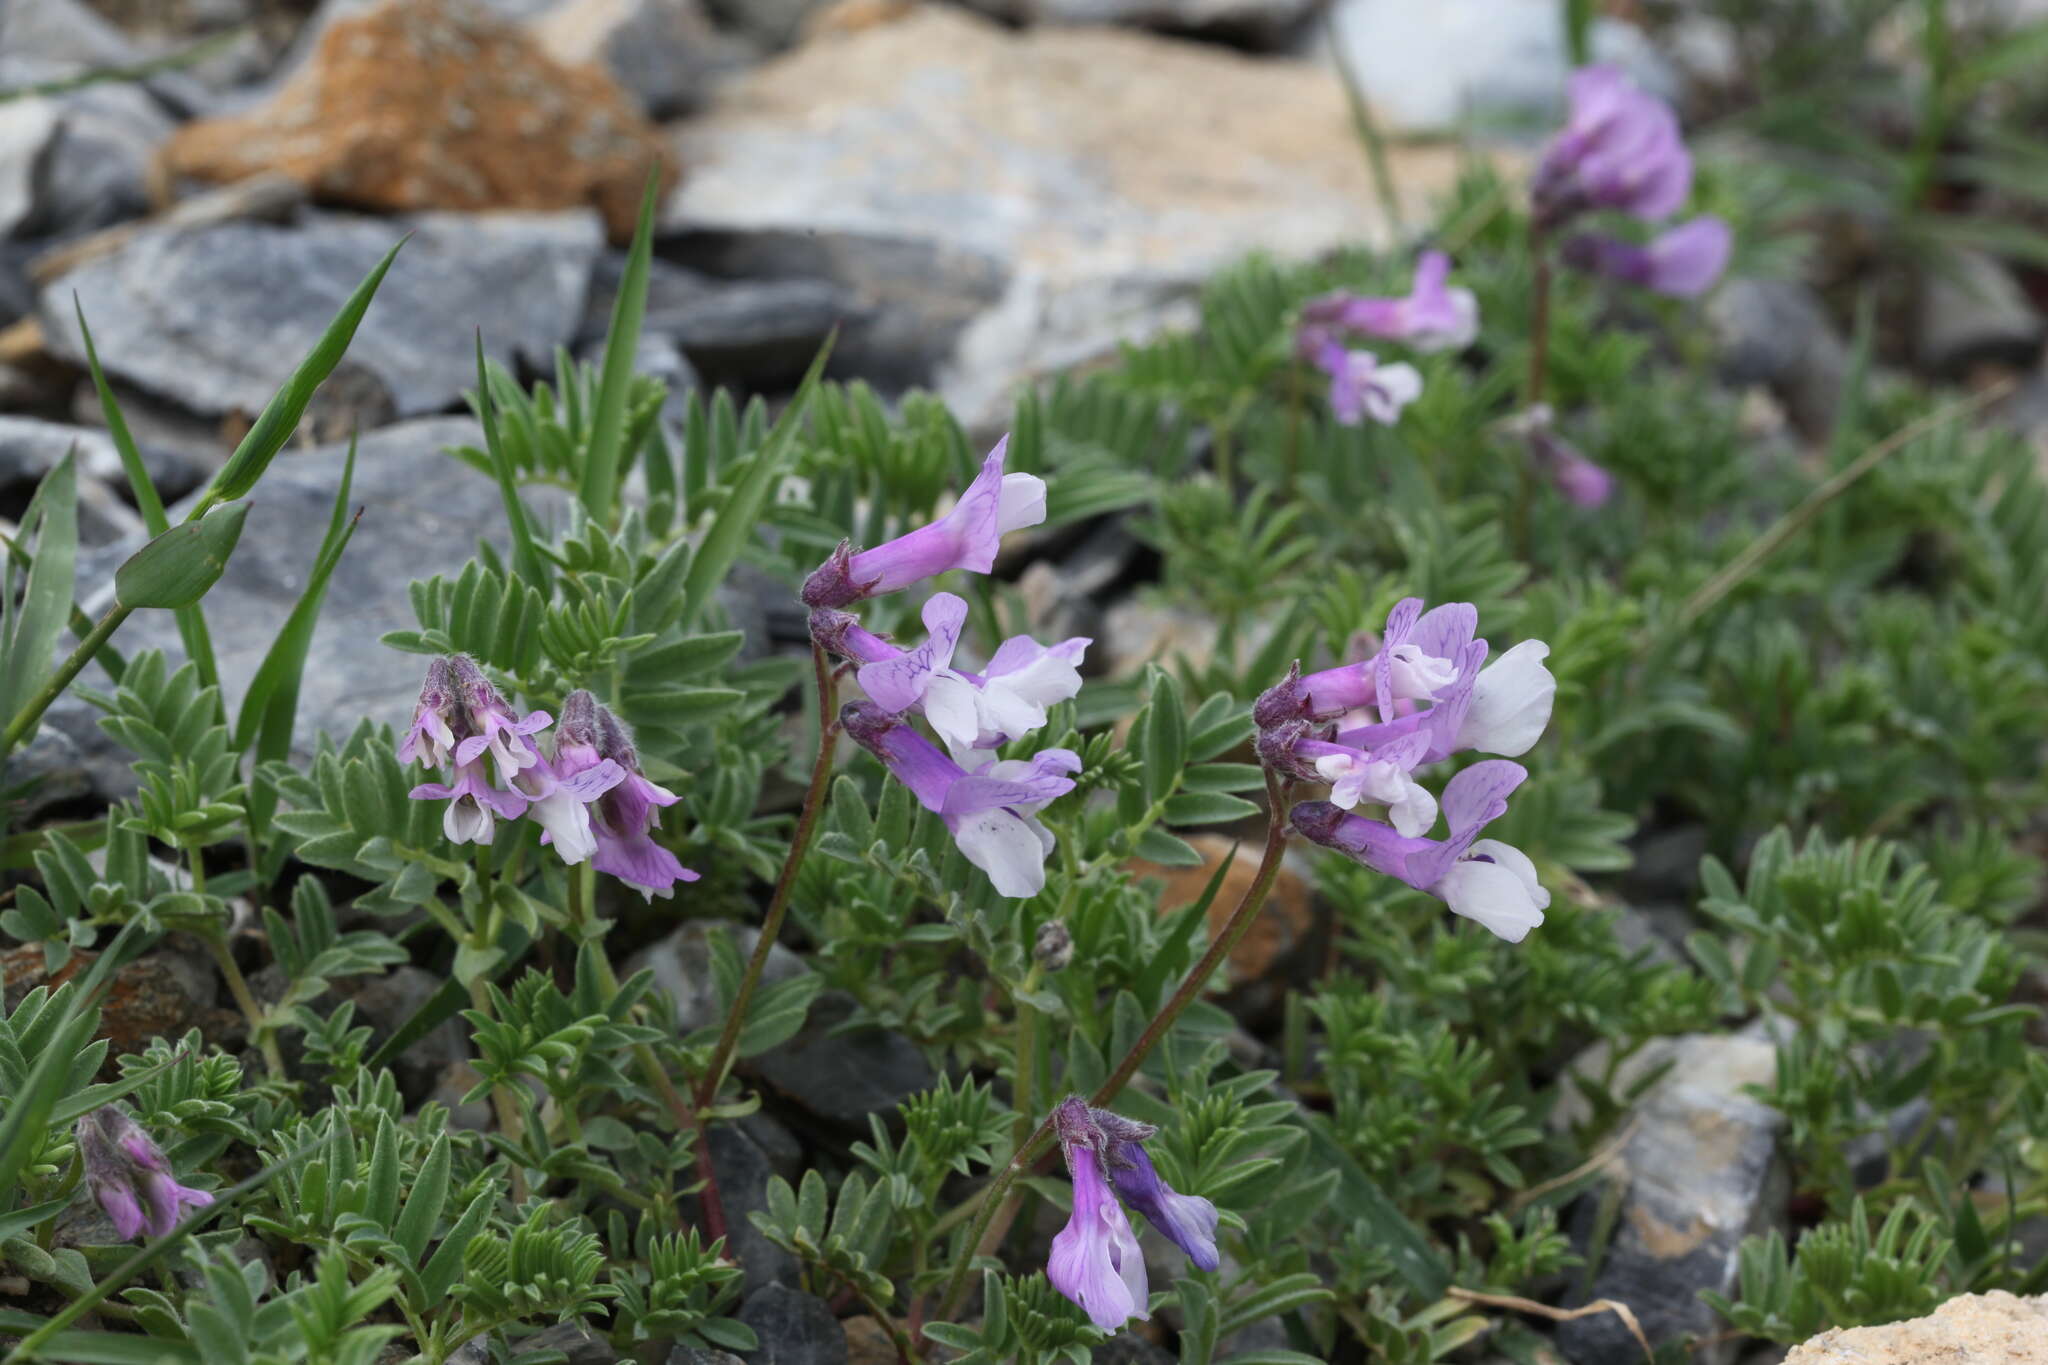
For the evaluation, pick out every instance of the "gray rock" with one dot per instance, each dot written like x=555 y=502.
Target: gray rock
x=1012 y=203
x=794 y=1328
x=1776 y=333
x=743 y=1171
x=1699 y=1172
x=1258 y=21
x=423 y=514
x=62 y=31
x=70 y=758
x=698 y=1355
x=681 y=964
x=386 y=1003
x=905 y=304
x=771 y=23
x=1973 y=311
x=843 y=1077
x=17 y=295
x=175 y=313
x=30 y=448
x=1428 y=68
x=663 y=52
x=573 y=1339
x=1065 y=592
x=754 y=334
x=28 y=126
x=96 y=169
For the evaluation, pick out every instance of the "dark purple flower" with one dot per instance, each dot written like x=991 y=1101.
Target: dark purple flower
x=129 y=1177
x=626 y=815
x=1482 y=879
x=1619 y=149
x=1433 y=317
x=1188 y=1221
x=990 y=811
x=560 y=792
x=964 y=538
x=1683 y=262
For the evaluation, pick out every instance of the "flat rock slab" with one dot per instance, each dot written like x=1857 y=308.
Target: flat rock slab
x=1976 y=1329
x=423 y=513
x=215 y=320
x=1099 y=175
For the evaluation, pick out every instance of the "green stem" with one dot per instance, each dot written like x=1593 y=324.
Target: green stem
x=998 y=1204
x=19 y=728
x=778 y=904
x=238 y=987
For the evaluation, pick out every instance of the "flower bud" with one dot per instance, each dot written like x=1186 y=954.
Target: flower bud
x=1055 y=946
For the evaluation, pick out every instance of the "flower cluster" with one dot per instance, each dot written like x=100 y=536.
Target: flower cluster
x=1620 y=150
x=1433 y=317
x=589 y=797
x=129 y=1177
x=986 y=803
x=1095 y=1259
x=1367 y=727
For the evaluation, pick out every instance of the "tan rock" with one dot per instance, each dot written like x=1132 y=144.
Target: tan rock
x=1286 y=921
x=437 y=104
x=1104 y=173
x=1976 y=1329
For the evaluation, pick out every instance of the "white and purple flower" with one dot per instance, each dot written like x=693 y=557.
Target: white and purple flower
x=1620 y=149
x=974 y=713
x=1096 y=1261
x=1485 y=880
x=1683 y=261
x=964 y=538
x=1360 y=386
x=989 y=811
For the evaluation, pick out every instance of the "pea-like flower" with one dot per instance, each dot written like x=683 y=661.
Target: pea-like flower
x=1620 y=149
x=1096 y=1261
x=1683 y=261
x=1433 y=316
x=432 y=738
x=1482 y=879
x=964 y=538
x=560 y=792
x=1360 y=386
x=129 y=1176
x=493 y=726
x=626 y=817
x=972 y=712
x=989 y=811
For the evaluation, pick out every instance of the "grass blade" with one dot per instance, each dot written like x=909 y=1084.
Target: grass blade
x=604 y=459
x=270 y=709
x=46 y=597
x=525 y=557
x=139 y=483
x=99 y=1348
x=740 y=515
x=281 y=415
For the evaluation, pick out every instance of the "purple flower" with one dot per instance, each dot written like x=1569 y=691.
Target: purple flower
x=625 y=814
x=432 y=736
x=560 y=793
x=1578 y=478
x=493 y=726
x=1384 y=775
x=1619 y=149
x=1432 y=317
x=1095 y=1259
x=972 y=713
x=129 y=1177
x=472 y=804
x=1482 y=879
x=1360 y=386
x=1188 y=1221
x=964 y=538
x=988 y=811
x=1683 y=261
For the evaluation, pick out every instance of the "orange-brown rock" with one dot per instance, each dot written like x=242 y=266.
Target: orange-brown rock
x=1286 y=922
x=157 y=996
x=437 y=104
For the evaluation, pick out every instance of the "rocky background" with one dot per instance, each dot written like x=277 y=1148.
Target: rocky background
x=974 y=195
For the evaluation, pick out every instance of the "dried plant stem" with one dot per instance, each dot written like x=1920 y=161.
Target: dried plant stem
x=778 y=904
x=1784 y=528
x=998 y=1202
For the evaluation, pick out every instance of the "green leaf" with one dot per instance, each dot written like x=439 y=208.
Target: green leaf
x=1360 y=1200
x=21 y=1220
x=178 y=567
x=604 y=460
x=1155 y=845
x=526 y=557
x=446 y=1266
x=281 y=416
x=46 y=599
x=1206 y=808
x=423 y=1206
x=100 y=1348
